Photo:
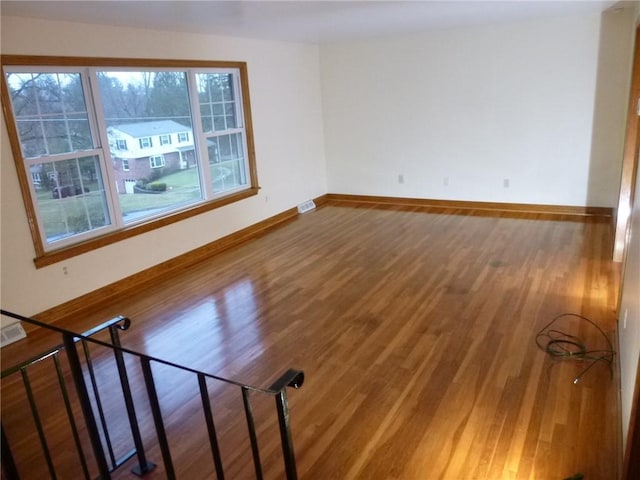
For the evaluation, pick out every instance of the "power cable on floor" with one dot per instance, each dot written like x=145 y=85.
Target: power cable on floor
x=564 y=346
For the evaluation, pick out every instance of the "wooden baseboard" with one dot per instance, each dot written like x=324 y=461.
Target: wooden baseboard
x=104 y=295
x=336 y=198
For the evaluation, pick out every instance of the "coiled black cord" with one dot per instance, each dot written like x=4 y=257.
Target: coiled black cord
x=562 y=345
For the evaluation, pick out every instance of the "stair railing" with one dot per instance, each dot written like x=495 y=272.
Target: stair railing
x=97 y=427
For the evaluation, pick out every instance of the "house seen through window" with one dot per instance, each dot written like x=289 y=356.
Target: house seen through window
x=145 y=155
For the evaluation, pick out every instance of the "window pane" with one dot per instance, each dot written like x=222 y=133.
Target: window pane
x=70 y=197
x=207 y=118
x=50 y=112
x=218 y=123
x=143 y=111
x=230 y=112
x=31 y=138
x=80 y=133
x=226 y=160
x=58 y=140
x=217 y=101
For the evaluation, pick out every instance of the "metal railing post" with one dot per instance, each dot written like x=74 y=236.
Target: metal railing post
x=211 y=429
x=98 y=404
x=85 y=404
x=143 y=466
x=37 y=422
x=154 y=403
x=295 y=379
x=251 y=426
x=285 y=435
x=72 y=421
x=8 y=463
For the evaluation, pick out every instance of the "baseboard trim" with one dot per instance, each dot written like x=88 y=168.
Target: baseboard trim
x=102 y=296
x=338 y=198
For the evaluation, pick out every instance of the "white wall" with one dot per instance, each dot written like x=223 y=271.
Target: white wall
x=287 y=120
x=459 y=111
x=629 y=322
x=629 y=330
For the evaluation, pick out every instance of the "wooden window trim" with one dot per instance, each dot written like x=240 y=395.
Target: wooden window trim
x=44 y=258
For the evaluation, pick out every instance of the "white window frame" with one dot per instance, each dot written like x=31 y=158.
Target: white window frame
x=165 y=140
x=202 y=136
x=121 y=144
x=156 y=161
x=183 y=137
x=125 y=165
x=49 y=253
x=29 y=162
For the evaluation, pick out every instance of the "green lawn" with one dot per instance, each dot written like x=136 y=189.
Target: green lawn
x=182 y=187
x=77 y=214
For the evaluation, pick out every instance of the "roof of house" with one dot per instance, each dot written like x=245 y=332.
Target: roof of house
x=148 y=129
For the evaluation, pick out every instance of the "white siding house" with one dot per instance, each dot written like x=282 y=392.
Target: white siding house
x=148 y=150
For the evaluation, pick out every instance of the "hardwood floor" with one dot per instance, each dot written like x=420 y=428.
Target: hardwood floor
x=416 y=331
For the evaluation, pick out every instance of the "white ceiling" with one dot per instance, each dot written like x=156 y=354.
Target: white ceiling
x=299 y=21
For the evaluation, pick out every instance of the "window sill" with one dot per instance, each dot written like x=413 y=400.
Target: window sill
x=56 y=256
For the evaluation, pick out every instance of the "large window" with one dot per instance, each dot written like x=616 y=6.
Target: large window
x=70 y=126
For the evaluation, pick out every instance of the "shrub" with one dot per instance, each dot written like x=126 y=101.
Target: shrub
x=157 y=187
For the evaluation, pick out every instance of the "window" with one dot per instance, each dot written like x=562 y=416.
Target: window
x=156 y=161
x=219 y=114
x=145 y=142
x=69 y=123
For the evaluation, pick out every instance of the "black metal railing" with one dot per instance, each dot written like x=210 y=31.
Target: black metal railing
x=95 y=424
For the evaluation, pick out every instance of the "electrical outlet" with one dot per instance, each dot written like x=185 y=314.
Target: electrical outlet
x=624 y=318
x=401 y=178
x=445 y=181
x=506 y=182
x=65 y=270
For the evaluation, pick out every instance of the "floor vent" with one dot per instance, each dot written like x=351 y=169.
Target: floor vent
x=11 y=333
x=304 y=207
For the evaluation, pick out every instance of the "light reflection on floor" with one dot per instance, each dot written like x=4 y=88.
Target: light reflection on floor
x=226 y=326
